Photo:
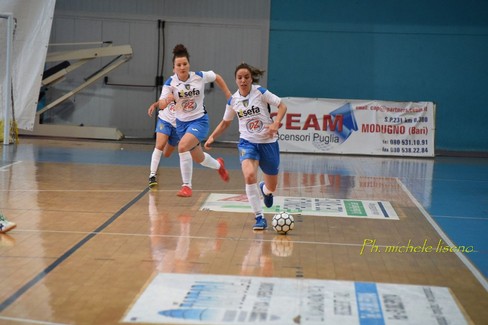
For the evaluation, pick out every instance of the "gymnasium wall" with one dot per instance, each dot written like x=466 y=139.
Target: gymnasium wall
x=433 y=50
x=219 y=35
x=386 y=50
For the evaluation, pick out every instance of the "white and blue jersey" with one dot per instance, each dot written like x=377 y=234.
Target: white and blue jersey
x=253 y=113
x=189 y=94
x=166 y=124
x=168 y=114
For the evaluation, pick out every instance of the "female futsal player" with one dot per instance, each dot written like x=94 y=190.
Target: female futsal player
x=166 y=141
x=258 y=143
x=192 y=123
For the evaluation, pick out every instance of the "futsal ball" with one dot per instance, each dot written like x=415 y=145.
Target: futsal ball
x=283 y=222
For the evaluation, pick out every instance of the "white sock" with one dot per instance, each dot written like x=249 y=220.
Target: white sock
x=254 y=198
x=186 y=168
x=266 y=191
x=210 y=162
x=155 y=158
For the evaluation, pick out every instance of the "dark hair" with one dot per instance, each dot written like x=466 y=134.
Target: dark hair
x=180 y=51
x=255 y=72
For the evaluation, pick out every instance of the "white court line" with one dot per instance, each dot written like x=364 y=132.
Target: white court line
x=477 y=274
x=30 y=321
x=193 y=237
x=103 y=191
x=461 y=218
x=122 y=191
x=6 y=167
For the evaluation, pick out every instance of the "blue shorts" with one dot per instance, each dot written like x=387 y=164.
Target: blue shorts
x=166 y=128
x=199 y=127
x=268 y=155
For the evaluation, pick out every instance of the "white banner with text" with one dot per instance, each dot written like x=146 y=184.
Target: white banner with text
x=342 y=126
x=172 y=298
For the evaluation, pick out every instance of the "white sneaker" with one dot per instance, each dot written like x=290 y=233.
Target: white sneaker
x=6 y=225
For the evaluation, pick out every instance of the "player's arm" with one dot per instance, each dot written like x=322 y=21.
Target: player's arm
x=223 y=125
x=165 y=100
x=152 y=108
x=273 y=127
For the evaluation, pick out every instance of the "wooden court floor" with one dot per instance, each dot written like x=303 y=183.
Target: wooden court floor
x=90 y=235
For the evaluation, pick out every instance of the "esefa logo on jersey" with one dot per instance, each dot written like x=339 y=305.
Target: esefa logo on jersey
x=189 y=93
x=254 y=110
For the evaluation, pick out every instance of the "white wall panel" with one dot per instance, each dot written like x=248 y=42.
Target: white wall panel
x=219 y=35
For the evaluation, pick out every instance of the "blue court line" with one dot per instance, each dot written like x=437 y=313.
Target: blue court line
x=10 y=300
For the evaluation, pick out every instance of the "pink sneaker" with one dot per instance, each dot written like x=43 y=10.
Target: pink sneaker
x=185 y=192
x=222 y=171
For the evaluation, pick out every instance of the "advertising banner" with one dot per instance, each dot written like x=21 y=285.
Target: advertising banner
x=221 y=299
x=309 y=206
x=342 y=126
